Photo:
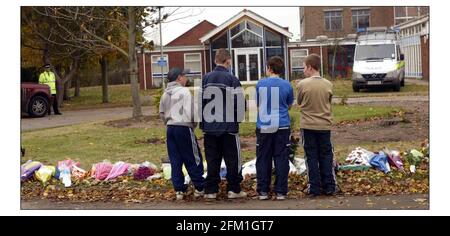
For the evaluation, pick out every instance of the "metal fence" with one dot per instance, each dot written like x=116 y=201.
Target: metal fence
x=411 y=48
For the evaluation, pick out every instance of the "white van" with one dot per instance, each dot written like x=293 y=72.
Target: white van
x=378 y=61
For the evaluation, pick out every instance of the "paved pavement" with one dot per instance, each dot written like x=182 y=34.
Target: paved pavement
x=388 y=202
x=80 y=116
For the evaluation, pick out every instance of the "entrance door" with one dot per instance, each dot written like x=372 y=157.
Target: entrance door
x=247 y=63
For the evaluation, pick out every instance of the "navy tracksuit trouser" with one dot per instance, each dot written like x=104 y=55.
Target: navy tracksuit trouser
x=228 y=147
x=319 y=161
x=276 y=147
x=183 y=148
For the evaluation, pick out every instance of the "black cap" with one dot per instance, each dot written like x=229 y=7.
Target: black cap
x=175 y=72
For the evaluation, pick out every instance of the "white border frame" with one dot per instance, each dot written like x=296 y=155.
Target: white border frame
x=294 y=50
x=325 y=20
x=199 y=60
x=247 y=52
x=151 y=59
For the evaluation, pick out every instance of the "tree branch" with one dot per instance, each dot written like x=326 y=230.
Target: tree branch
x=105 y=41
x=32 y=47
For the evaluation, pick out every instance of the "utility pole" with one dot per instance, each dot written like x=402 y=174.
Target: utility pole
x=161 y=48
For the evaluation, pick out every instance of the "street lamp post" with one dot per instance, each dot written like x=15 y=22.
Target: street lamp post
x=321 y=39
x=321 y=61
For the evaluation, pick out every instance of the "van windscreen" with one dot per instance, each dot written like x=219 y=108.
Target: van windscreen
x=375 y=52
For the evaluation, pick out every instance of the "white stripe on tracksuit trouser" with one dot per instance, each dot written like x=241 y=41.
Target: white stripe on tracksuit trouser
x=183 y=149
x=226 y=146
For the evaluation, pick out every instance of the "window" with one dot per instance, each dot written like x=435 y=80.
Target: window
x=275 y=51
x=400 y=11
x=403 y=14
x=156 y=69
x=193 y=62
x=271 y=52
x=272 y=39
x=246 y=34
x=220 y=42
x=255 y=28
x=360 y=19
x=375 y=52
x=297 y=58
x=246 y=39
x=238 y=28
x=333 y=20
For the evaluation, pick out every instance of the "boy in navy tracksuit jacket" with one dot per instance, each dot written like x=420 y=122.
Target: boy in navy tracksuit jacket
x=274 y=98
x=177 y=111
x=221 y=126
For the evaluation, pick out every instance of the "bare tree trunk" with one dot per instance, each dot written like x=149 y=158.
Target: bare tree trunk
x=59 y=85
x=46 y=54
x=333 y=62
x=77 y=85
x=137 y=111
x=104 y=68
x=63 y=79
x=66 y=96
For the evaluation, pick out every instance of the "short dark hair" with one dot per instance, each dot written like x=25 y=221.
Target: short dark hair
x=222 y=55
x=313 y=60
x=276 y=64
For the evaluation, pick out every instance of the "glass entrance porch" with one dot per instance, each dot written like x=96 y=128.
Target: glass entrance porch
x=251 y=44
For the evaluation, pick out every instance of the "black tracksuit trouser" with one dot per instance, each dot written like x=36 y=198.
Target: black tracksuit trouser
x=225 y=146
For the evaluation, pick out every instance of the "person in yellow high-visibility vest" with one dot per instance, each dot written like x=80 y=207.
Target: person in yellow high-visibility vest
x=48 y=77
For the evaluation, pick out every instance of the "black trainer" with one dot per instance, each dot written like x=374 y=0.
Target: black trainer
x=312 y=195
x=336 y=191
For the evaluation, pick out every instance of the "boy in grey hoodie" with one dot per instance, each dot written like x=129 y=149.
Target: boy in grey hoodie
x=176 y=109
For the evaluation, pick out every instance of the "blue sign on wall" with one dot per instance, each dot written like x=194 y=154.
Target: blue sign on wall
x=162 y=62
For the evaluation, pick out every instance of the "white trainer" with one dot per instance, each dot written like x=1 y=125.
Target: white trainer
x=210 y=196
x=263 y=196
x=180 y=195
x=233 y=195
x=199 y=193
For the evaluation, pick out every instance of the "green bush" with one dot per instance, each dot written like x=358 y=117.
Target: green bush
x=157 y=98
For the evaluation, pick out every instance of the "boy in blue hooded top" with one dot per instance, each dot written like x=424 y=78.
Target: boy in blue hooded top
x=274 y=98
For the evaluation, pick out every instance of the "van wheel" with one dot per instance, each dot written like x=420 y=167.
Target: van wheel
x=38 y=106
x=355 y=88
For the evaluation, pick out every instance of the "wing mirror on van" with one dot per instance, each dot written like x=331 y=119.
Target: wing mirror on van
x=402 y=57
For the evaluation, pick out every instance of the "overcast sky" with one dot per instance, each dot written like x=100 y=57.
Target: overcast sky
x=283 y=16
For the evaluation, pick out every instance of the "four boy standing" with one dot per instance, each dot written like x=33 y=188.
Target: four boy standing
x=220 y=125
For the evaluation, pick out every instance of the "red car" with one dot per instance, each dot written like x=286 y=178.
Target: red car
x=35 y=99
